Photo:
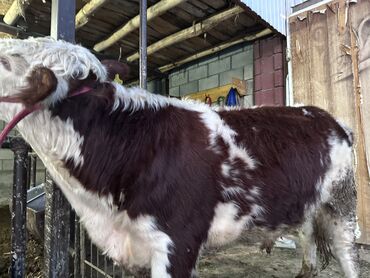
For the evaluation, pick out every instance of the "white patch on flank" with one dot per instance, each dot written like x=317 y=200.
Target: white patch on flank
x=230 y=192
x=255 y=191
x=341 y=161
x=226 y=227
x=225 y=169
x=307 y=113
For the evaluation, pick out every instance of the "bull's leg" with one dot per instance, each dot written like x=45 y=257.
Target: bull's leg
x=181 y=263
x=340 y=223
x=344 y=246
x=309 y=251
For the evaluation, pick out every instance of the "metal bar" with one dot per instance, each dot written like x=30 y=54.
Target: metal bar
x=19 y=207
x=57 y=209
x=82 y=251
x=143 y=44
x=33 y=172
x=63 y=20
x=57 y=233
x=97 y=269
x=77 y=248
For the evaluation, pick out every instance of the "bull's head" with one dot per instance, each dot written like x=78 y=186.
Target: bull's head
x=40 y=72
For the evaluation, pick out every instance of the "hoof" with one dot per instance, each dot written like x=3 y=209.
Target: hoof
x=307 y=272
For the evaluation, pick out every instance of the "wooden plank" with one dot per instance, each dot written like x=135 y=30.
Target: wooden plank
x=328 y=71
x=86 y=11
x=154 y=11
x=214 y=93
x=190 y=32
x=16 y=10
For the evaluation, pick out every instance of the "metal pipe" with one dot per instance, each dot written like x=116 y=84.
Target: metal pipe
x=19 y=206
x=143 y=44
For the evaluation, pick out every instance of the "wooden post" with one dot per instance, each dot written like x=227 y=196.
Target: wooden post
x=57 y=209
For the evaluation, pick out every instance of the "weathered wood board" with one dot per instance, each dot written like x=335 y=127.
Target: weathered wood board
x=330 y=49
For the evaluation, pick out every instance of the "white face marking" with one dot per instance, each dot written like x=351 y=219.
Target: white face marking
x=66 y=60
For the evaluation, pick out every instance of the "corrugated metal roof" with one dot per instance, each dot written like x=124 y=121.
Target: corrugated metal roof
x=275 y=12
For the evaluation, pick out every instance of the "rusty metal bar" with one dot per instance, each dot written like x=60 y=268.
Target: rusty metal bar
x=19 y=206
x=143 y=44
x=57 y=209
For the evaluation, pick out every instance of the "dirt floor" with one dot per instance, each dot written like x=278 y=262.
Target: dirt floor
x=242 y=259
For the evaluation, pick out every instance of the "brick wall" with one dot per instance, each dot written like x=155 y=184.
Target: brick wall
x=269 y=71
x=214 y=71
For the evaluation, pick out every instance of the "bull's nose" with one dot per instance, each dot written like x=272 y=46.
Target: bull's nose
x=5 y=63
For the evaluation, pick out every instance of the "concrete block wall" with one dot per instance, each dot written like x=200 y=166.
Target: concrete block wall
x=269 y=71
x=6 y=172
x=214 y=71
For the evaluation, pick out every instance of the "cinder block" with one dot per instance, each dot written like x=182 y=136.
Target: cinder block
x=231 y=51
x=257 y=66
x=278 y=78
x=257 y=50
x=278 y=61
x=267 y=47
x=248 y=47
x=175 y=91
x=248 y=72
x=7 y=165
x=242 y=59
x=247 y=101
x=279 y=96
x=257 y=83
x=278 y=45
x=189 y=88
x=219 y=66
x=226 y=77
x=6 y=154
x=267 y=64
x=265 y=98
x=179 y=78
x=267 y=80
x=250 y=84
x=208 y=83
x=198 y=73
x=207 y=60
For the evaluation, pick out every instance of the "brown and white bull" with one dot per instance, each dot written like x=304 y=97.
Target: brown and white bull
x=155 y=179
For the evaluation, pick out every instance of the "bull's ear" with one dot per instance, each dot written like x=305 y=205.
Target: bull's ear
x=115 y=67
x=41 y=83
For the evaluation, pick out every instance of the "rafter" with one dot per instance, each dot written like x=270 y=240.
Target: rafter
x=216 y=49
x=154 y=11
x=190 y=32
x=16 y=10
x=86 y=11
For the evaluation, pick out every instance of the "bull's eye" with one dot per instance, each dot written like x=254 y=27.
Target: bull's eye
x=5 y=62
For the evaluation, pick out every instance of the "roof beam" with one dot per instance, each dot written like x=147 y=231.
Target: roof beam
x=216 y=49
x=190 y=32
x=86 y=11
x=15 y=11
x=154 y=11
